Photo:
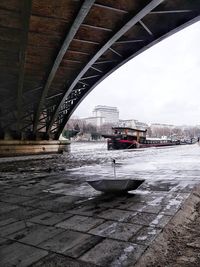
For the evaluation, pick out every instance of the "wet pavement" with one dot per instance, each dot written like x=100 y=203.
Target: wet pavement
x=52 y=217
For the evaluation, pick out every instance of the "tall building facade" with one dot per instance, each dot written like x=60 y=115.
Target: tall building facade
x=97 y=121
x=110 y=114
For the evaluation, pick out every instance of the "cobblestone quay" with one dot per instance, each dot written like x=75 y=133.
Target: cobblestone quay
x=50 y=216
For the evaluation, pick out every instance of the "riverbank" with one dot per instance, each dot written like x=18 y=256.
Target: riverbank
x=50 y=216
x=179 y=243
x=59 y=220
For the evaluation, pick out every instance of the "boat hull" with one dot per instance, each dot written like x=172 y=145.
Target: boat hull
x=120 y=144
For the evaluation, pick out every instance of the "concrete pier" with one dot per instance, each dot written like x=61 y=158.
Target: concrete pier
x=16 y=148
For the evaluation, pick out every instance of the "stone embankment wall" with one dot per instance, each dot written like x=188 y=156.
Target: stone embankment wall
x=16 y=148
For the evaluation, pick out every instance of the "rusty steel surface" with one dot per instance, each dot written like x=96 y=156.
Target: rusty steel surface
x=53 y=53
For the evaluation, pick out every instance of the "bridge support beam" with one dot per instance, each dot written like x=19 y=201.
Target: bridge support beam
x=26 y=136
x=9 y=148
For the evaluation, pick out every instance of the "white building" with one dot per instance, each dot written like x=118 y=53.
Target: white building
x=110 y=114
x=97 y=121
x=135 y=124
x=162 y=125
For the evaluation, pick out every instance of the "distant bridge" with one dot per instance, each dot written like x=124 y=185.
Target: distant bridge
x=54 y=52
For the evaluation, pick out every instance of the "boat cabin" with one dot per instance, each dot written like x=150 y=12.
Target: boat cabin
x=130 y=134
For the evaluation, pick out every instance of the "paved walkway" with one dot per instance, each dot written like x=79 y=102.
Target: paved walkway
x=59 y=220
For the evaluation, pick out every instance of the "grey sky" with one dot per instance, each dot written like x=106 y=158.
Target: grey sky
x=160 y=85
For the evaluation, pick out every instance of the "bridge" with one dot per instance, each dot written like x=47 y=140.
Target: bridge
x=54 y=53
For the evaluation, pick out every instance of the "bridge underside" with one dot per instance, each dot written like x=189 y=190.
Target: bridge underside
x=53 y=53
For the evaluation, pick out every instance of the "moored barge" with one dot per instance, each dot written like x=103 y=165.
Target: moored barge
x=129 y=138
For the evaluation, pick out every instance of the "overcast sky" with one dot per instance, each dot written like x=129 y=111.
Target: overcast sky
x=160 y=85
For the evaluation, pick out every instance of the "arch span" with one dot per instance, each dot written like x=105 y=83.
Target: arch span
x=56 y=52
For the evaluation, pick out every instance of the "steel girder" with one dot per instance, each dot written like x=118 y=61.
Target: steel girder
x=56 y=52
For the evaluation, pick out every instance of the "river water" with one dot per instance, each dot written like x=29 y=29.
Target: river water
x=175 y=162
x=175 y=166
